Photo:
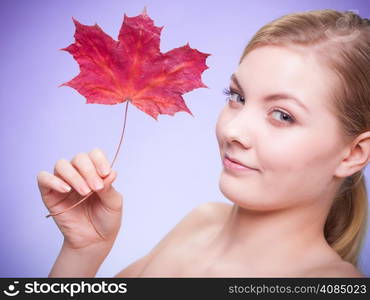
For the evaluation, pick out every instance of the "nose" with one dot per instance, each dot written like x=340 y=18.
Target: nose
x=239 y=128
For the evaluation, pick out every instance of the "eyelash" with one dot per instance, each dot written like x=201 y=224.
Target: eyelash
x=230 y=92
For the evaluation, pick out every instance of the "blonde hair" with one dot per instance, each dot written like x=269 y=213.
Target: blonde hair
x=341 y=41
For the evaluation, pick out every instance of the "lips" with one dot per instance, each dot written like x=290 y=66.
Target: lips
x=234 y=160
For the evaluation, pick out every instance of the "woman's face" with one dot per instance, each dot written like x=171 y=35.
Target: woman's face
x=295 y=147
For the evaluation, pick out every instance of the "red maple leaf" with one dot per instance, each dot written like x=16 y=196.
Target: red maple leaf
x=133 y=68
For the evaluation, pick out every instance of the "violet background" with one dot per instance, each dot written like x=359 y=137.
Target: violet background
x=41 y=123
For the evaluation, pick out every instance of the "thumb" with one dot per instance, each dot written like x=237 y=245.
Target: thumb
x=109 y=196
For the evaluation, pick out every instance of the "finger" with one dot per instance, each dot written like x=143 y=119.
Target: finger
x=48 y=182
x=110 y=198
x=86 y=168
x=69 y=174
x=100 y=161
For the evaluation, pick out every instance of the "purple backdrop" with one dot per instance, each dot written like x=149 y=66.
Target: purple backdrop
x=41 y=123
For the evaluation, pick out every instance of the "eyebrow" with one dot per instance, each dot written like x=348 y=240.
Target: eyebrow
x=272 y=97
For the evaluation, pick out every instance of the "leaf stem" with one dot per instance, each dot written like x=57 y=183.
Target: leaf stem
x=88 y=195
x=123 y=131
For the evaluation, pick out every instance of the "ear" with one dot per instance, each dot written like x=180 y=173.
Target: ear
x=357 y=156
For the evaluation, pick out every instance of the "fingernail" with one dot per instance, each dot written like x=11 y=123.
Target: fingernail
x=98 y=184
x=85 y=189
x=66 y=188
x=105 y=169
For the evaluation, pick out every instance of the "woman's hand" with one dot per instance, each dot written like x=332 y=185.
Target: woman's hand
x=96 y=221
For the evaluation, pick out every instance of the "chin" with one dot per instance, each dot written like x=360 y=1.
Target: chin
x=248 y=196
x=241 y=197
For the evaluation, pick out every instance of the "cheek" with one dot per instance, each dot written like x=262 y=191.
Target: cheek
x=280 y=152
x=297 y=151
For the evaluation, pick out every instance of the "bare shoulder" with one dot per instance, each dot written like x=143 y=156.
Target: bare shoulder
x=346 y=269
x=203 y=215
x=339 y=269
x=210 y=212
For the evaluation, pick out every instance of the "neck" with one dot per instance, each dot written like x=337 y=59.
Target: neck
x=276 y=238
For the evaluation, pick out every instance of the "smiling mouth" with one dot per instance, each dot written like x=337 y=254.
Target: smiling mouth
x=235 y=161
x=232 y=165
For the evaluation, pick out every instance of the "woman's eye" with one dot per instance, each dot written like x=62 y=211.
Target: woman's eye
x=285 y=117
x=233 y=96
x=282 y=116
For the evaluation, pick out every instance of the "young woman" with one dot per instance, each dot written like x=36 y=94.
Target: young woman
x=294 y=138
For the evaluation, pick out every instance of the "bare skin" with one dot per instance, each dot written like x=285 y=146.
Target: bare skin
x=274 y=225
x=188 y=251
x=90 y=229
x=274 y=228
